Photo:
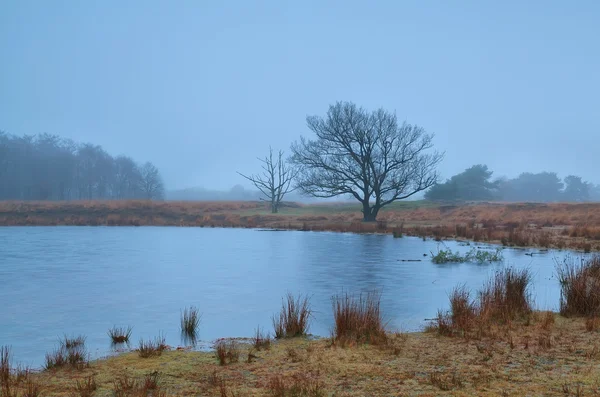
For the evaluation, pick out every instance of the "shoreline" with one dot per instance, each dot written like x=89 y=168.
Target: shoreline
x=559 y=226
x=538 y=358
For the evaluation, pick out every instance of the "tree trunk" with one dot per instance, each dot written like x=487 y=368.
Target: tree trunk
x=369 y=213
x=274 y=208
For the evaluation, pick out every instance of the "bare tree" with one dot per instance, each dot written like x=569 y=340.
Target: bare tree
x=151 y=182
x=367 y=155
x=276 y=179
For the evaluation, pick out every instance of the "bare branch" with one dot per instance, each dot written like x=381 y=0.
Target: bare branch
x=276 y=179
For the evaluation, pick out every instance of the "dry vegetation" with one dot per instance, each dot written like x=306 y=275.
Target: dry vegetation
x=542 y=357
x=575 y=226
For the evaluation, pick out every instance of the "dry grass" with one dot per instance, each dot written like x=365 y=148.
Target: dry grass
x=15 y=382
x=71 y=352
x=86 y=387
x=358 y=319
x=506 y=297
x=580 y=287
x=152 y=348
x=227 y=351
x=294 y=317
x=261 y=340
x=526 y=359
x=120 y=335
x=503 y=299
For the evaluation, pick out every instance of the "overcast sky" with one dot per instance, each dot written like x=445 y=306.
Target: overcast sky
x=201 y=88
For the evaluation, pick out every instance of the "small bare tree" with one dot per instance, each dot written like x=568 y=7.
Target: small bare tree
x=276 y=179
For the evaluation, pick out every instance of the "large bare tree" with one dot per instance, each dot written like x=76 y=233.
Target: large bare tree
x=368 y=155
x=275 y=181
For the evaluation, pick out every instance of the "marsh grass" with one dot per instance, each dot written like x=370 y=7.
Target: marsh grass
x=261 y=341
x=70 y=352
x=152 y=348
x=119 y=335
x=86 y=388
x=579 y=287
x=294 y=317
x=474 y=255
x=5 y=371
x=505 y=297
x=358 y=319
x=72 y=342
x=227 y=352
x=190 y=320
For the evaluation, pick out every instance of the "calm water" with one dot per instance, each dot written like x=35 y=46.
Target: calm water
x=84 y=280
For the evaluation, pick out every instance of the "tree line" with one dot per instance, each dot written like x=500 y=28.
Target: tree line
x=476 y=184
x=48 y=167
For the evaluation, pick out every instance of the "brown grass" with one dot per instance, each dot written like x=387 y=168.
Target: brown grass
x=227 y=351
x=86 y=388
x=523 y=359
x=152 y=348
x=294 y=317
x=580 y=287
x=261 y=340
x=503 y=299
x=120 y=335
x=358 y=319
x=506 y=296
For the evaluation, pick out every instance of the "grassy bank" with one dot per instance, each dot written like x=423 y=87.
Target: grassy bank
x=491 y=343
x=574 y=226
x=538 y=359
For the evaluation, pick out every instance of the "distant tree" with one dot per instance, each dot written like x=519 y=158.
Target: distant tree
x=594 y=192
x=528 y=187
x=364 y=154
x=151 y=183
x=275 y=181
x=472 y=184
x=128 y=179
x=576 y=189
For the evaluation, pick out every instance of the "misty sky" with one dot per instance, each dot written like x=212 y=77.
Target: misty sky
x=202 y=88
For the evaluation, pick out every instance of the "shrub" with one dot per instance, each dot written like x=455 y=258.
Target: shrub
x=190 y=320
x=579 y=287
x=120 y=334
x=294 y=317
x=358 y=319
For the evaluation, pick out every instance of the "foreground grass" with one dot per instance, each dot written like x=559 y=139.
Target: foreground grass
x=542 y=358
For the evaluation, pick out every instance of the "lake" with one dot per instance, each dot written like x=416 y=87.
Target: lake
x=84 y=280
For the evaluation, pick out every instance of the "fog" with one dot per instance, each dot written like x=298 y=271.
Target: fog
x=201 y=89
